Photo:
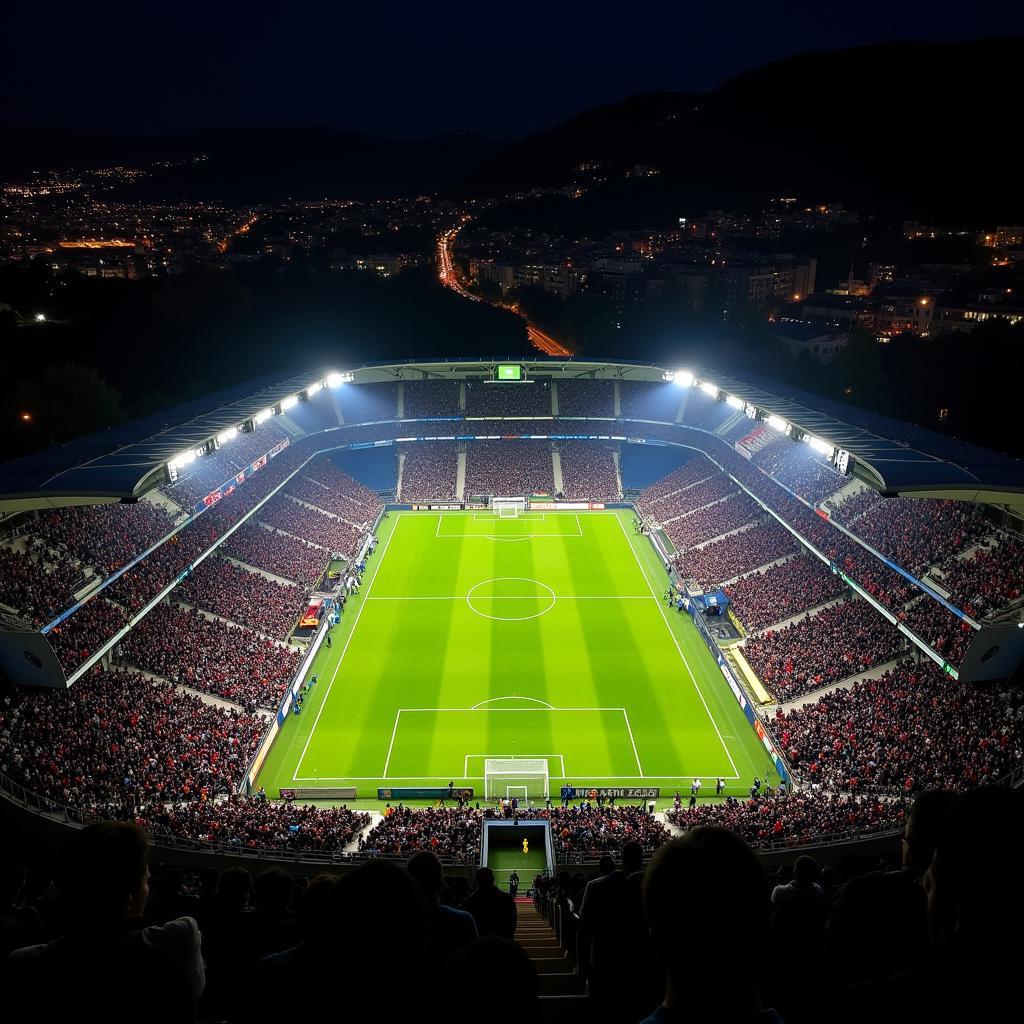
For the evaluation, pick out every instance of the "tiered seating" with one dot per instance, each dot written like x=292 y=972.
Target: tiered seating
x=700 y=494
x=698 y=468
x=245 y=597
x=227 y=661
x=116 y=740
x=586 y=398
x=277 y=553
x=509 y=468
x=310 y=525
x=729 y=557
x=430 y=471
x=706 y=523
x=991 y=578
x=649 y=401
x=783 y=591
x=507 y=400
x=588 y=471
x=801 y=469
x=325 y=472
x=426 y=398
x=913 y=728
x=368 y=403
x=37 y=591
x=822 y=648
x=452 y=833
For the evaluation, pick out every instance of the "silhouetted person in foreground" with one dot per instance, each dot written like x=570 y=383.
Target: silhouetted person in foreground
x=496 y=982
x=449 y=929
x=708 y=892
x=493 y=909
x=975 y=906
x=108 y=966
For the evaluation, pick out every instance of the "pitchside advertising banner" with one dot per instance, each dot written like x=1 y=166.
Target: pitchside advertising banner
x=611 y=793
x=426 y=793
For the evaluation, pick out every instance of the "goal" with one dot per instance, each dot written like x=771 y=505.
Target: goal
x=508 y=508
x=517 y=776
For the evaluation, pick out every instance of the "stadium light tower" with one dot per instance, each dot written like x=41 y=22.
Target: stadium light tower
x=684 y=378
x=335 y=380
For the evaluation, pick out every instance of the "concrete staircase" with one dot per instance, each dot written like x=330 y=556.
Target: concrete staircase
x=555 y=970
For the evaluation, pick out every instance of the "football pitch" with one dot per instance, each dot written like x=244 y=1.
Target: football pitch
x=545 y=636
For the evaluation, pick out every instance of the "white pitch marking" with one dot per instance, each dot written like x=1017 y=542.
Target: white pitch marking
x=675 y=640
x=633 y=742
x=535 y=700
x=344 y=650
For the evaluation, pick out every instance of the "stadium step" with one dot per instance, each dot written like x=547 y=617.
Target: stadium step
x=538 y=940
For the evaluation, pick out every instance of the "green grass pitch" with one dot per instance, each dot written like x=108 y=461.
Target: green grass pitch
x=545 y=636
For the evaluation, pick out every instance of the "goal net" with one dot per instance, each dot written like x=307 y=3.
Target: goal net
x=508 y=508
x=516 y=777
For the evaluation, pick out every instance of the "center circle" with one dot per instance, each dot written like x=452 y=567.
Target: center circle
x=511 y=598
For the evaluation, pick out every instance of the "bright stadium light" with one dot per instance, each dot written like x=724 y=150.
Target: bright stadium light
x=183 y=459
x=732 y=400
x=777 y=423
x=821 y=447
x=262 y=416
x=335 y=380
x=709 y=389
x=227 y=435
x=683 y=378
x=313 y=389
x=290 y=402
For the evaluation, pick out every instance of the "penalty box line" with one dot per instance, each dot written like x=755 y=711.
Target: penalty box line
x=548 y=710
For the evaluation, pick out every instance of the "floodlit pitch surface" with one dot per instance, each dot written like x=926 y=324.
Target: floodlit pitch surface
x=546 y=636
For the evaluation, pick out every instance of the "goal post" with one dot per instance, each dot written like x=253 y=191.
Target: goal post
x=508 y=508
x=512 y=776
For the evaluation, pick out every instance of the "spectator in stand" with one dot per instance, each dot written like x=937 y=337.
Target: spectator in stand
x=493 y=910
x=708 y=890
x=509 y=468
x=278 y=553
x=429 y=471
x=783 y=591
x=721 y=560
x=588 y=472
x=103 y=884
x=449 y=929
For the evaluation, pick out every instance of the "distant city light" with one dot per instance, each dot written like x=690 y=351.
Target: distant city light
x=26 y=417
x=40 y=317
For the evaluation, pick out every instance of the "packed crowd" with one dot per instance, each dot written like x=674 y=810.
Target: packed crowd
x=801 y=469
x=426 y=398
x=257 y=823
x=712 y=521
x=694 y=497
x=117 y=740
x=934 y=623
x=797 y=818
x=231 y=662
x=429 y=471
x=783 y=591
x=278 y=553
x=36 y=590
x=649 y=400
x=242 y=596
x=691 y=472
x=509 y=468
x=324 y=471
x=588 y=471
x=451 y=833
x=590 y=830
x=733 y=556
x=586 y=398
x=822 y=648
x=508 y=400
x=990 y=578
x=913 y=728
x=103 y=536
x=367 y=403
x=310 y=525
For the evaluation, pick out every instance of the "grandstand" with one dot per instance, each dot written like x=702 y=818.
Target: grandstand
x=202 y=559
x=212 y=627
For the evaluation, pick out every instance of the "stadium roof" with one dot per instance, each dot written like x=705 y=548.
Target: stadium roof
x=124 y=462
x=893 y=456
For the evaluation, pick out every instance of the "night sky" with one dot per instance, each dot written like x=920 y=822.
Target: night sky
x=415 y=69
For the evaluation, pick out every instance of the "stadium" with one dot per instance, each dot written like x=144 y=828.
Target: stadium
x=519 y=614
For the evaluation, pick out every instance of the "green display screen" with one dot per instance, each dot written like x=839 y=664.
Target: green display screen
x=510 y=371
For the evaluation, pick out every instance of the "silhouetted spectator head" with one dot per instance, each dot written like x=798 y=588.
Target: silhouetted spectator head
x=707 y=889
x=632 y=857
x=972 y=882
x=605 y=866
x=103 y=874
x=316 y=919
x=477 y=966
x=425 y=870
x=805 y=871
x=923 y=827
x=12 y=881
x=272 y=892
x=233 y=889
x=485 y=878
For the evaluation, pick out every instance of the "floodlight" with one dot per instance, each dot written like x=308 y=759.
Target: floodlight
x=683 y=378
x=262 y=416
x=821 y=447
x=732 y=400
x=313 y=389
x=227 y=435
x=290 y=402
x=777 y=423
x=335 y=380
x=711 y=390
